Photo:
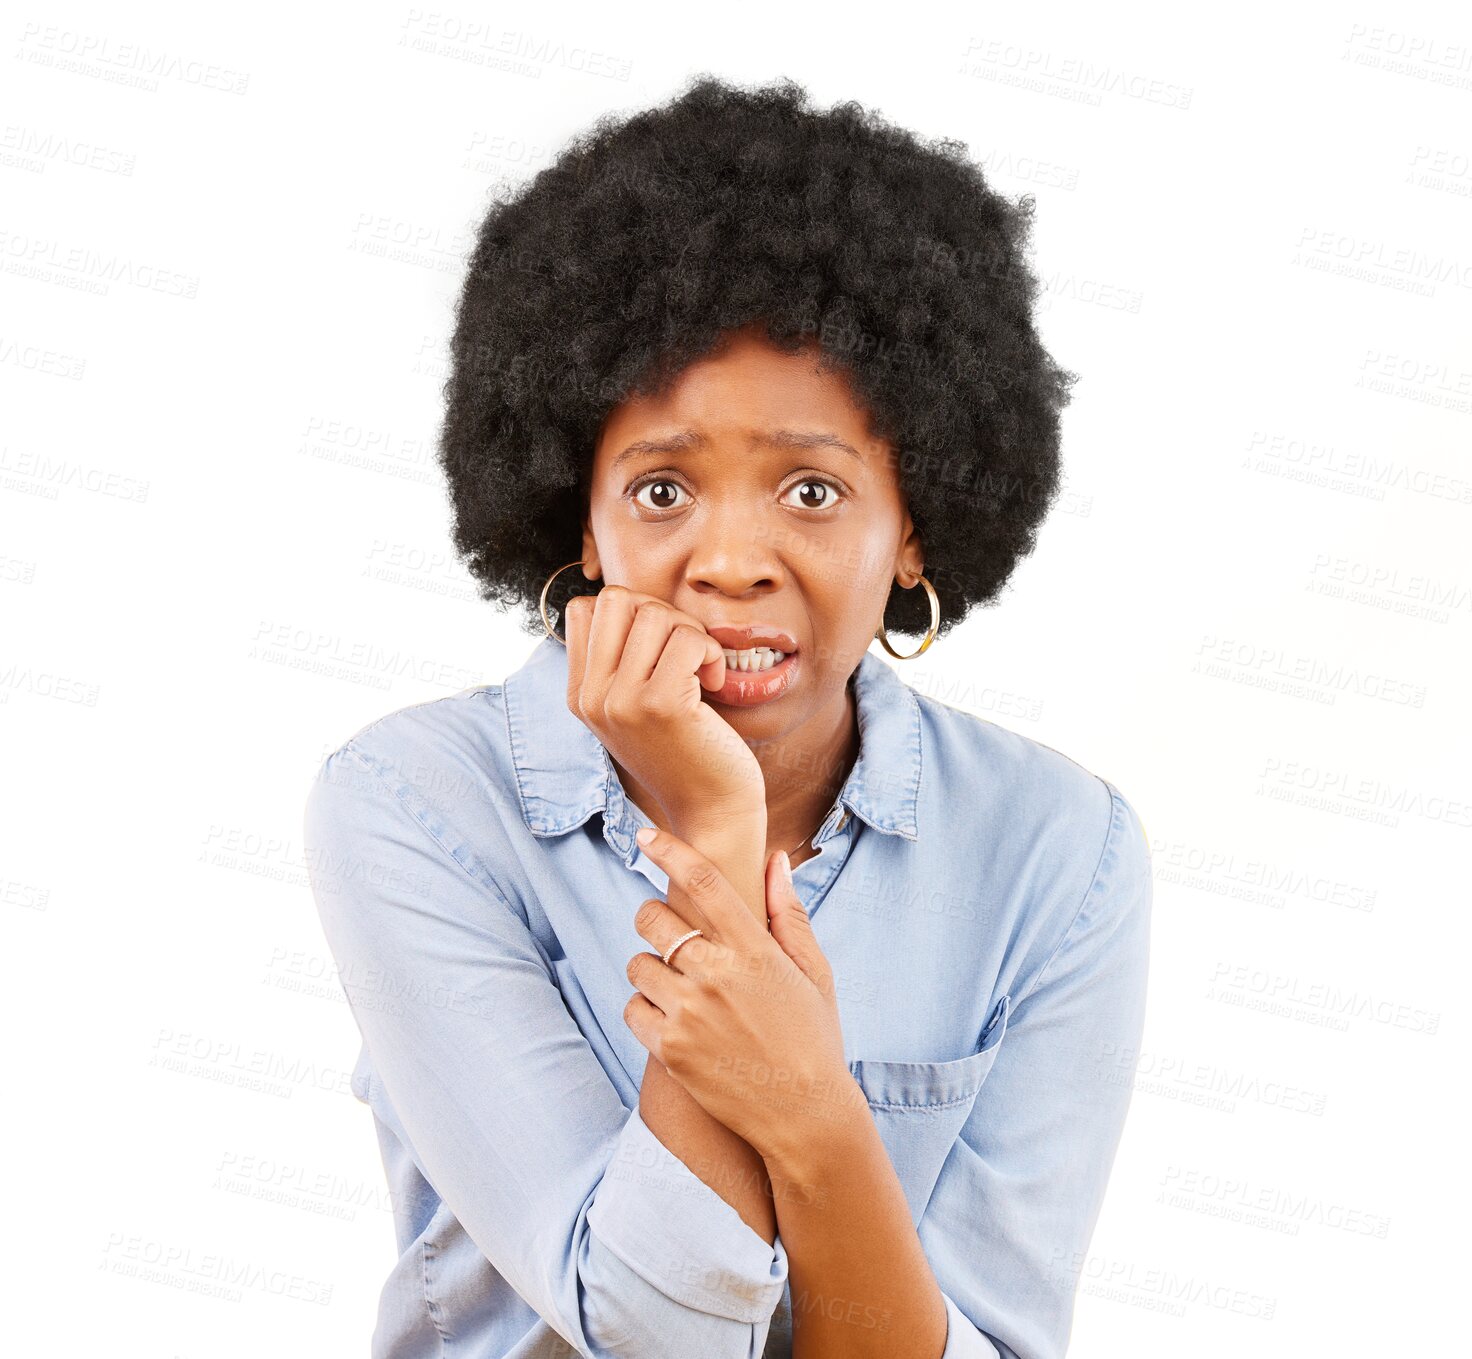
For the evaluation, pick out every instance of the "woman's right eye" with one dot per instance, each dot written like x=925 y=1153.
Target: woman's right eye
x=663 y=492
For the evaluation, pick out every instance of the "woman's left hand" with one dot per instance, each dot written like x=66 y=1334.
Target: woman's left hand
x=745 y=1019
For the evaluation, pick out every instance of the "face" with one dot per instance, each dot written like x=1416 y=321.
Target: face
x=750 y=493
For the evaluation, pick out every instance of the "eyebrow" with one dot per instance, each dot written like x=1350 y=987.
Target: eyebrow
x=690 y=440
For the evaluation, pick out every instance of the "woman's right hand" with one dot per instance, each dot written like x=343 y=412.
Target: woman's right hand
x=636 y=665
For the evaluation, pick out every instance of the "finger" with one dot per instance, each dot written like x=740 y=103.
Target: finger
x=713 y=650
x=686 y=653
x=714 y=655
x=646 y=1022
x=655 y=980
x=708 y=889
x=649 y=630
x=787 y=918
x=656 y=624
x=710 y=656
x=773 y=907
x=577 y=618
x=613 y=612
x=659 y=924
x=617 y=610
x=615 y=621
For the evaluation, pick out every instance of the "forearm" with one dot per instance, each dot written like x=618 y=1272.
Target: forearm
x=713 y=1152
x=861 y=1285
x=716 y=1155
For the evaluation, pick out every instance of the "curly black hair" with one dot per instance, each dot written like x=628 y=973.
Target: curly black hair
x=651 y=237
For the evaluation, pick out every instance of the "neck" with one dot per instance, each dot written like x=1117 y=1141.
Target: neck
x=804 y=772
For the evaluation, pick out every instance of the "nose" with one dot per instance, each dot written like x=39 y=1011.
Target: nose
x=735 y=553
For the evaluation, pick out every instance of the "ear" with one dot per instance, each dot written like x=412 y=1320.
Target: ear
x=592 y=567
x=909 y=562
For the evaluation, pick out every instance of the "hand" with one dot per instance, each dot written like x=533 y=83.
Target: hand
x=635 y=668
x=745 y=1019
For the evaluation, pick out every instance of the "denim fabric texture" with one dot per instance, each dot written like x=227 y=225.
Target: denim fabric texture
x=985 y=904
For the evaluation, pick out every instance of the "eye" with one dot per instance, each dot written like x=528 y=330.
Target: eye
x=664 y=491
x=818 y=493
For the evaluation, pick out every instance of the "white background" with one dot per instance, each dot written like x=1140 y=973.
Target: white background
x=229 y=247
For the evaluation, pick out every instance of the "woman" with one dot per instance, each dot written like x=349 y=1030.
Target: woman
x=767 y=380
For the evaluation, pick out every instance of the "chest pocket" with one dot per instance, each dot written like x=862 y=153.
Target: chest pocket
x=920 y=1107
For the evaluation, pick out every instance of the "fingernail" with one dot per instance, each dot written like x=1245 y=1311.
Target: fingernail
x=644 y=834
x=786 y=866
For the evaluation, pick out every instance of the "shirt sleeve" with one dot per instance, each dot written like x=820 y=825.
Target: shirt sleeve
x=1008 y=1227
x=612 y=1239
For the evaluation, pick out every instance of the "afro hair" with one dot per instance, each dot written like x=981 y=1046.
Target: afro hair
x=650 y=237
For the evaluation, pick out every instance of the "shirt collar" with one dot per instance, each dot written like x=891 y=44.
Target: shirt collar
x=564 y=773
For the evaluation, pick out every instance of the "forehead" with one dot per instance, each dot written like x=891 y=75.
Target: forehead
x=737 y=392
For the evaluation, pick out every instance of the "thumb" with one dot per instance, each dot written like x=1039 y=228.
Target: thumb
x=787 y=918
x=712 y=670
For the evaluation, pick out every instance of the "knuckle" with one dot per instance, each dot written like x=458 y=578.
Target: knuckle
x=639 y=703
x=647 y=913
x=702 y=879
x=631 y=968
x=702 y=973
x=674 y=1042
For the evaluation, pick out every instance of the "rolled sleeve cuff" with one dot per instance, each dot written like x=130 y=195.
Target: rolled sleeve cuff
x=681 y=1237
x=963 y=1340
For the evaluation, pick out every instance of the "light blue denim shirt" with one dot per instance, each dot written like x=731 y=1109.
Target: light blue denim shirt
x=984 y=902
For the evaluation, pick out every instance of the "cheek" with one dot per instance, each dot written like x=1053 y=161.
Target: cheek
x=621 y=549
x=845 y=607
x=850 y=572
x=641 y=563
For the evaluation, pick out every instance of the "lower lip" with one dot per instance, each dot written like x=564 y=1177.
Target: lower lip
x=747 y=688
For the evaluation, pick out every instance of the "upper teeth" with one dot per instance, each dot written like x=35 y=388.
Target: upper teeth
x=753 y=658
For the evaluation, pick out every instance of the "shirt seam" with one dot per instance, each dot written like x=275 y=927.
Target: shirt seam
x=431 y=1307
x=425 y=703
x=1109 y=834
x=513 y=746
x=921 y=1104
x=398 y=796
x=919 y=733
x=1009 y=731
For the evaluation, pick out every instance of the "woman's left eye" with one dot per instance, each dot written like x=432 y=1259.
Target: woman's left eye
x=821 y=495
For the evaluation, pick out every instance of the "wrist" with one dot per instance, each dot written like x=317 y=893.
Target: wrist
x=828 y=1125
x=736 y=844
x=734 y=824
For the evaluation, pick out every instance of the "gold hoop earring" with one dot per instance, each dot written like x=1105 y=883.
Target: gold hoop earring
x=547 y=622
x=883 y=637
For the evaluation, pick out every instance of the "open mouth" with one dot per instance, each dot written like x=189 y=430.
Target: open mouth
x=758 y=675
x=761 y=662
x=754 y=660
